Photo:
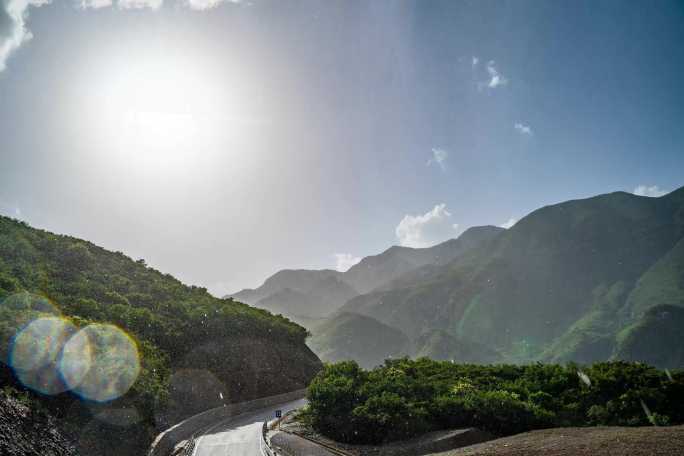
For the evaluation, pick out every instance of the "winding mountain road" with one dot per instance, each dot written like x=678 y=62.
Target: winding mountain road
x=239 y=435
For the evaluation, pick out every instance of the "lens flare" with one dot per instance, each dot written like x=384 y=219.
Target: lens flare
x=76 y=361
x=35 y=352
x=100 y=363
x=16 y=312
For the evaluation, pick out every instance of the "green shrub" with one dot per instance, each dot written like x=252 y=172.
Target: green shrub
x=502 y=412
x=388 y=417
x=405 y=398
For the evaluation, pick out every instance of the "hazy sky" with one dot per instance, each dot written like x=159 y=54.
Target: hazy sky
x=224 y=140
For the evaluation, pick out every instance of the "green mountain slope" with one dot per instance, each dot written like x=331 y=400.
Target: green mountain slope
x=663 y=283
x=563 y=271
x=175 y=327
x=353 y=336
x=441 y=346
x=655 y=338
x=591 y=338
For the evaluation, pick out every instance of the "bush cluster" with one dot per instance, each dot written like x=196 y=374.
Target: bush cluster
x=404 y=398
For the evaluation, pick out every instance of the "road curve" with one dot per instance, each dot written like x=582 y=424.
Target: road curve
x=239 y=435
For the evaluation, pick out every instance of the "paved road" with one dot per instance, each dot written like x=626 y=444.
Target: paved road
x=239 y=435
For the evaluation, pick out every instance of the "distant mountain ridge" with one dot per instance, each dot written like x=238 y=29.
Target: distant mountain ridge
x=377 y=270
x=302 y=280
x=298 y=293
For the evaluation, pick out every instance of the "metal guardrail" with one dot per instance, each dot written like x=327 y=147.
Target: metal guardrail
x=189 y=446
x=265 y=444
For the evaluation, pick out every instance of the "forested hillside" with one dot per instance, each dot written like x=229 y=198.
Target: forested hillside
x=195 y=351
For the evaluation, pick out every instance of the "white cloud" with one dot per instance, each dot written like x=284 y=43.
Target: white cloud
x=13 y=31
x=523 y=129
x=496 y=79
x=653 y=191
x=344 y=261
x=10 y=210
x=509 y=223
x=439 y=156
x=95 y=4
x=14 y=14
x=475 y=61
x=199 y=5
x=221 y=289
x=427 y=229
x=140 y=4
x=202 y=5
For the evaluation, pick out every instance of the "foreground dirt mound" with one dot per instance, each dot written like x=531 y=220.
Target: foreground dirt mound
x=595 y=441
x=24 y=432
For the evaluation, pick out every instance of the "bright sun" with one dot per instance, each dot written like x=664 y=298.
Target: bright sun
x=158 y=110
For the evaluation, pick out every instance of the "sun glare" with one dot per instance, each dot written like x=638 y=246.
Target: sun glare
x=157 y=110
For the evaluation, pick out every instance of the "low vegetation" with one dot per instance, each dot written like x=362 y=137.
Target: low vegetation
x=404 y=398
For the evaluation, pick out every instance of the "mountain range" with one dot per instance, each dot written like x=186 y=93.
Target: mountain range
x=583 y=280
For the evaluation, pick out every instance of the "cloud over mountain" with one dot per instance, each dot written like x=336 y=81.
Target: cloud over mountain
x=427 y=229
x=509 y=223
x=653 y=191
x=344 y=261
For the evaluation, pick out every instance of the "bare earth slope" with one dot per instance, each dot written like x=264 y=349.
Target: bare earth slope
x=595 y=441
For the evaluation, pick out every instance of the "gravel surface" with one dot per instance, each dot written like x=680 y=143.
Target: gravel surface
x=296 y=446
x=593 y=441
x=24 y=432
x=422 y=445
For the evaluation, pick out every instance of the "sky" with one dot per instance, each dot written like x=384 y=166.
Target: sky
x=224 y=140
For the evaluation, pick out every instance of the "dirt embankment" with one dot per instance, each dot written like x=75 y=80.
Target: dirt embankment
x=593 y=441
x=25 y=432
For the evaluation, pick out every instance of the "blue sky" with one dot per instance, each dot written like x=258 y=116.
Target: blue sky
x=224 y=140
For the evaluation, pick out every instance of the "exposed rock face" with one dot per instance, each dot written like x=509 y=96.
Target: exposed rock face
x=24 y=431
